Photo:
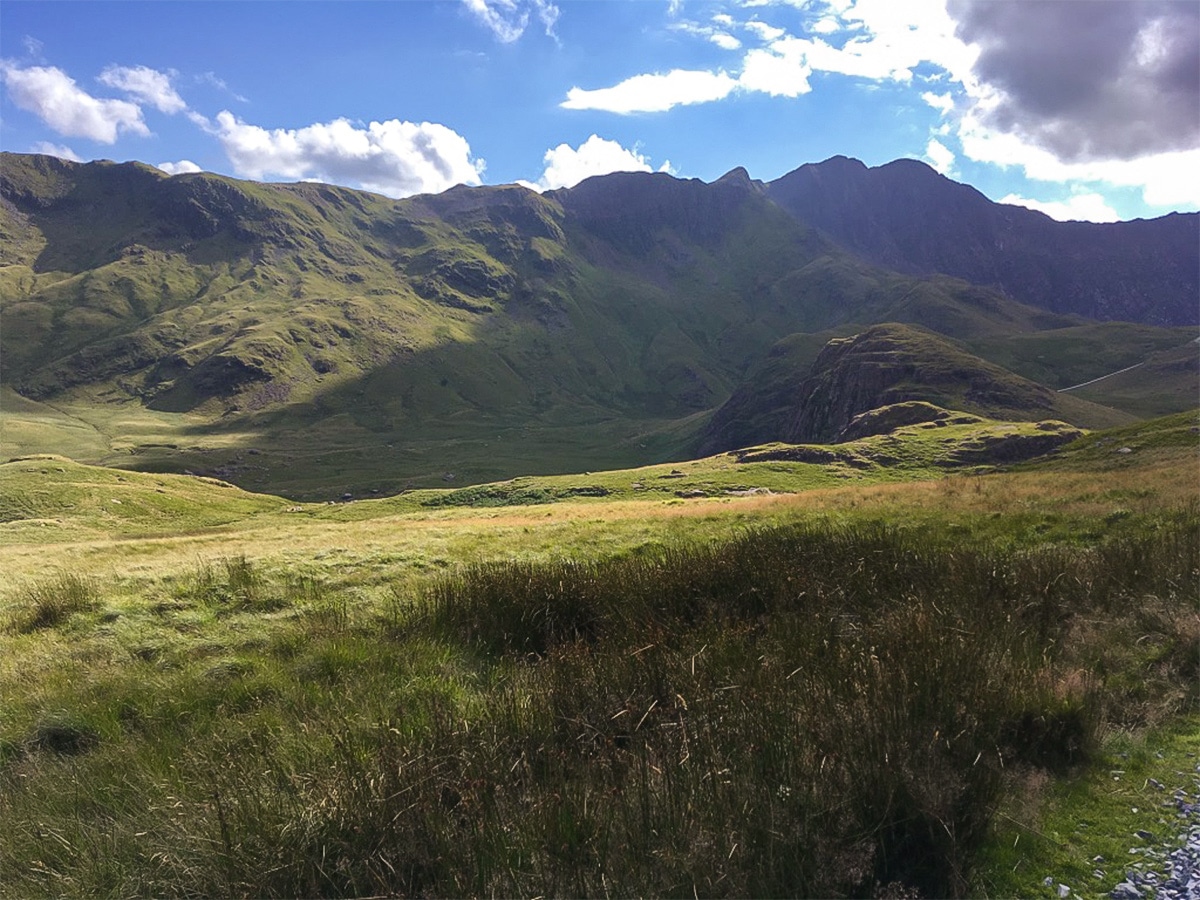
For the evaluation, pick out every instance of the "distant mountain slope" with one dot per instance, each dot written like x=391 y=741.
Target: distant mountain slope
x=907 y=217
x=883 y=365
x=635 y=291
x=479 y=333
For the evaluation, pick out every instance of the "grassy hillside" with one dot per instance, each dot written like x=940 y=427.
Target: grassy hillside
x=790 y=398
x=355 y=343
x=634 y=691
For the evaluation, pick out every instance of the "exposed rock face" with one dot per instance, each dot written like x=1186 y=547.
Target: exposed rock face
x=906 y=216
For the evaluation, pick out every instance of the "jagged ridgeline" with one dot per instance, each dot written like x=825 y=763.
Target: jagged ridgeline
x=310 y=339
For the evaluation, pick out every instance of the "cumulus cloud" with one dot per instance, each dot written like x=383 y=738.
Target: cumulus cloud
x=1079 y=208
x=1090 y=79
x=55 y=98
x=781 y=70
x=61 y=151
x=144 y=84
x=940 y=156
x=394 y=158
x=508 y=19
x=654 y=93
x=183 y=167
x=1165 y=179
x=566 y=166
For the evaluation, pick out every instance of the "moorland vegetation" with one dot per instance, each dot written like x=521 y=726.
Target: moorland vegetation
x=860 y=685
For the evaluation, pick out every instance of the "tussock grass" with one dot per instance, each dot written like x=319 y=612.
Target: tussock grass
x=230 y=584
x=50 y=601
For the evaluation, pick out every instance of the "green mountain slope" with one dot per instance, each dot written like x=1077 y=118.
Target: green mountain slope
x=796 y=398
x=351 y=342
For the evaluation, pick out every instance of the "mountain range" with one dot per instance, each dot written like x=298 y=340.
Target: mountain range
x=309 y=338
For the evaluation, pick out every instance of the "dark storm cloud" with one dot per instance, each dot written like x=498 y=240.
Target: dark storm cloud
x=1090 y=79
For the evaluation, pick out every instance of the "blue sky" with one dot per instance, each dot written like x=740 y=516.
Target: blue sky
x=1084 y=109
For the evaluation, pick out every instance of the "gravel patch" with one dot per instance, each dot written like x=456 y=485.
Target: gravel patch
x=1169 y=864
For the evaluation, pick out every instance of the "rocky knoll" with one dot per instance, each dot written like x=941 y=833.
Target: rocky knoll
x=882 y=366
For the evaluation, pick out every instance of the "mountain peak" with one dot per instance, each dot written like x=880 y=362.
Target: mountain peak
x=738 y=175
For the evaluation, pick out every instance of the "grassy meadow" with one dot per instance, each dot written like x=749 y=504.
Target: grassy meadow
x=871 y=676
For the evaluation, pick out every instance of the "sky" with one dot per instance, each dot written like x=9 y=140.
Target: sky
x=1083 y=109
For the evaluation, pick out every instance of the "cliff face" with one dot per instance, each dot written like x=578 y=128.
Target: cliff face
x=906 y=216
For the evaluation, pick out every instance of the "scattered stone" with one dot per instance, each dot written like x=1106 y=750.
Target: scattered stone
x=1063 y=891
x=1125 y=450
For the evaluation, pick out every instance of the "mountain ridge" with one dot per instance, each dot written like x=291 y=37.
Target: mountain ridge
x=908 y=217
x=589 y=327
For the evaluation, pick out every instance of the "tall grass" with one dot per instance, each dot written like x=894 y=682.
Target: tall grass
x=816 y=710
x=50 y=601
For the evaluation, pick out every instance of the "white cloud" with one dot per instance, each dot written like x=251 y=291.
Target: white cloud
x=567 y=166
x=145 y=84
x=654 y=93
x=781 y=70
x=718 y=36
x=508 y=19
x=55 y=98
x=763 y=31
x=887 y=41
x=62 y=152
x=724 y=20
x=940 y=156
x=943 y=103
x=394 y=158
x=183 y=167
x=1165 y=179
x=1079 y=208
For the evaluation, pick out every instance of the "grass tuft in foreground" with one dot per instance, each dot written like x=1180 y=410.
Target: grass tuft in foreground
x=50 y=601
